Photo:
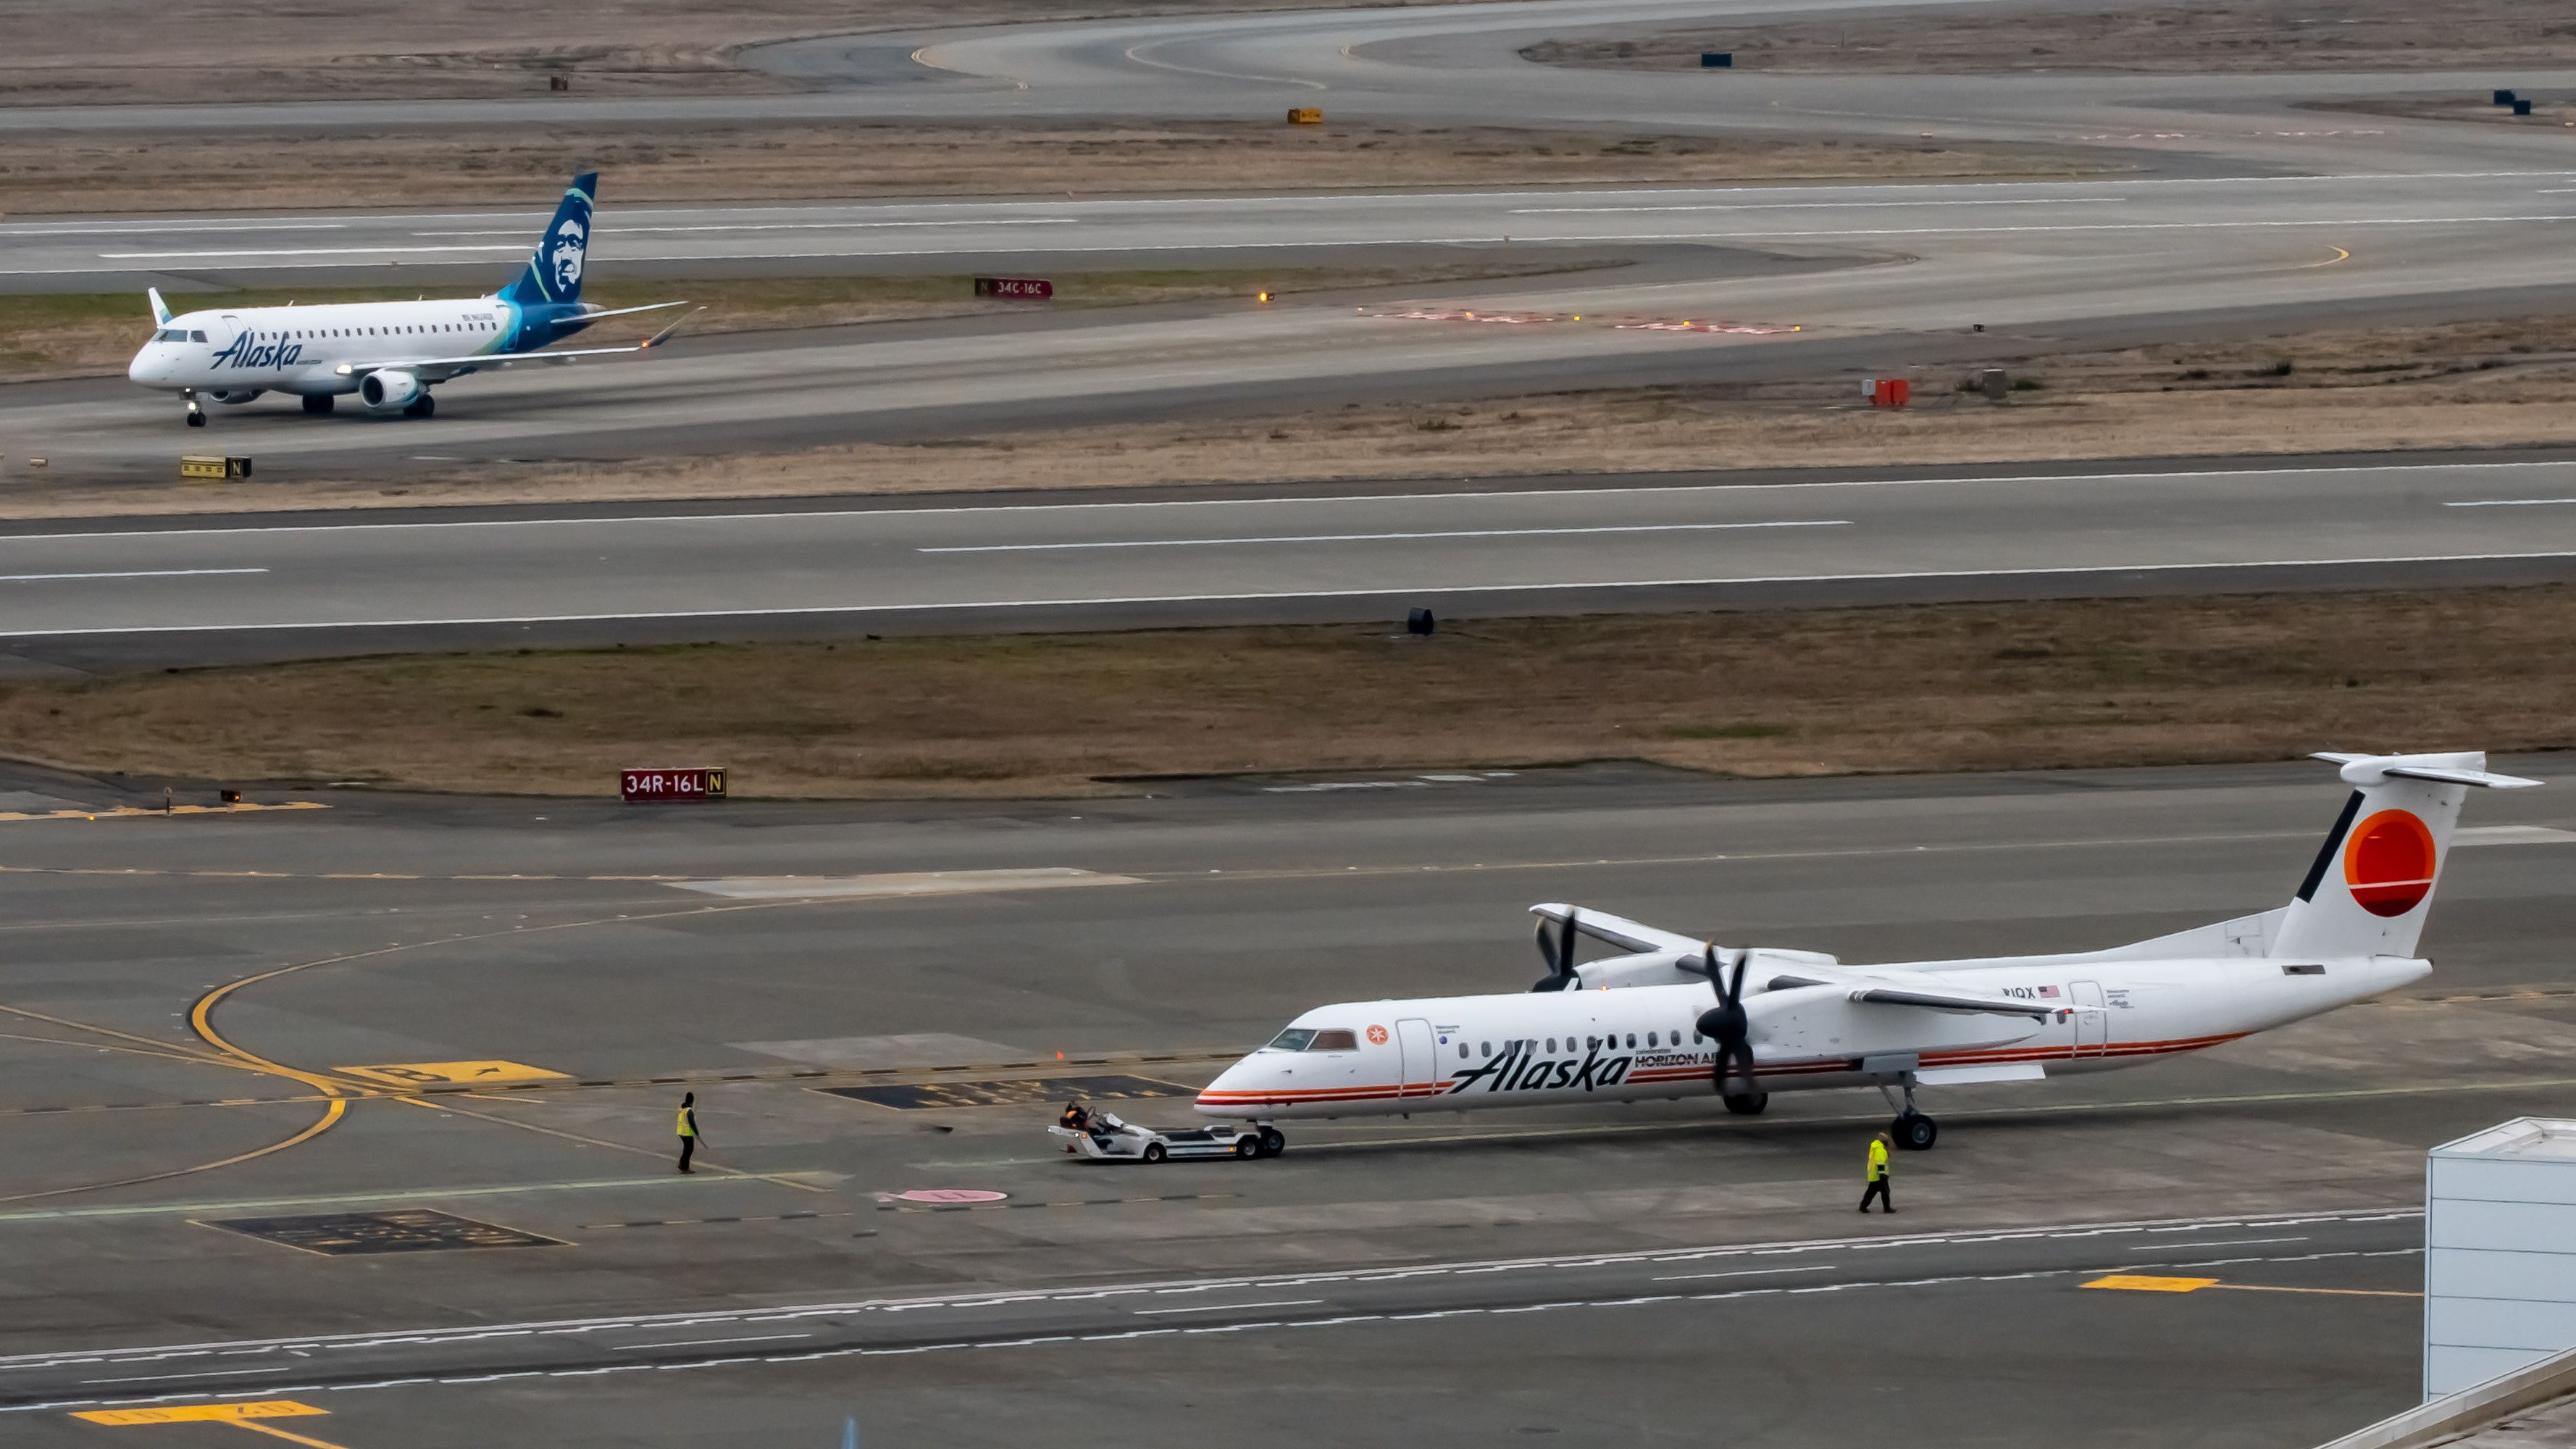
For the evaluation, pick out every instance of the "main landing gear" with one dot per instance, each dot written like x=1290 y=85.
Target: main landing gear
x=319 y=402
x=1747 y=1104
x=422 y=406
x=1912 y=1131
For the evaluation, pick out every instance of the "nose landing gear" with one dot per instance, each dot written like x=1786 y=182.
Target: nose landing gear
x=196 y=412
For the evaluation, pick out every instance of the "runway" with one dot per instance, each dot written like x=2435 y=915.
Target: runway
x=146 y=594
x=791 y=1283
x=1763 y=282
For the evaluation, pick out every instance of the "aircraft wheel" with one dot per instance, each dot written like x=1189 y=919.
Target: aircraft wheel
x=1747 y=1104
x=1247 y=1148
x=1915 y=1132
x=423 y=406
x=319 y=402
x=1273 y=1142
x=196 y=419
x=1154 y=1152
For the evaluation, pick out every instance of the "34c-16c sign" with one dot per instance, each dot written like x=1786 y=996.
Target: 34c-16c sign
x=653 y=786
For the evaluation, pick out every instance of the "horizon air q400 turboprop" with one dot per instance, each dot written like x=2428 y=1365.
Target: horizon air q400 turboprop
x=388 y=353
x=1675 y=1017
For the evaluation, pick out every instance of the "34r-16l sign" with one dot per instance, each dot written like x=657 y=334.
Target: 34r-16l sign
x=653 y=786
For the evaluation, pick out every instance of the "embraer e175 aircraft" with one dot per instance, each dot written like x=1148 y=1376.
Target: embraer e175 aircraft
x=1674 y=1017
x=389 y=353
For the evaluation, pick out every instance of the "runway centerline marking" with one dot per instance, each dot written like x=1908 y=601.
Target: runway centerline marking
x=1275 y=500
x=1744 y=1273
x=1223 y=1307
x=2508 y=502
x=124 y=574
x=1380 y=537
x=1398 y=589
x=299 y=252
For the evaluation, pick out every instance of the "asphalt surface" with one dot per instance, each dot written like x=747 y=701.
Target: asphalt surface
x=1382 y=1282
x=146 y=595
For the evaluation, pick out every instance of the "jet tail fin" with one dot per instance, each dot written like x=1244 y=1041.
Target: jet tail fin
x=2371 y=886
x=160 y=309
x=553 y=273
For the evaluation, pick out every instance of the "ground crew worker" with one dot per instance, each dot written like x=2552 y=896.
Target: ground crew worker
x=1878 y=1146
x=688 y=1129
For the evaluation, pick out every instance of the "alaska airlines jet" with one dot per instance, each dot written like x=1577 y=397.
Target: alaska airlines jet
x=1671 y=1016
x=389 y=353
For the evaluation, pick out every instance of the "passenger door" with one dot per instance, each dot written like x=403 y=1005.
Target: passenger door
x=2091 y=1027
x=1421 y=1055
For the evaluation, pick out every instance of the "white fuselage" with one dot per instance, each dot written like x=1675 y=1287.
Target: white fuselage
x=301 y=349
x=1638 y=1043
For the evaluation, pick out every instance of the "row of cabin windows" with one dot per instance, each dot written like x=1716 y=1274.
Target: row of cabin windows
x=309 y=334
x=1309 y=1039
x=1653 y=1039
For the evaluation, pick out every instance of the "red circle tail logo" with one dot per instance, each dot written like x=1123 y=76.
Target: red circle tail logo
x=2389 y=862
x=1377 y=1036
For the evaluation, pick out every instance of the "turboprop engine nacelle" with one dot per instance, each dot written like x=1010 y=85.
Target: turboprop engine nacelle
x=235 y=395
x=388 y=389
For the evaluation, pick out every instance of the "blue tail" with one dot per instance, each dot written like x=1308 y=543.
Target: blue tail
x=554 y=272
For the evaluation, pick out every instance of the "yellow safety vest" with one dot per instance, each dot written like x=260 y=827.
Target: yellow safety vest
x=1877 y=1159
x=688 y=1123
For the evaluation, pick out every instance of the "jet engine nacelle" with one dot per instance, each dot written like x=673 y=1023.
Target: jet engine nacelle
x=235 y=395
x=389 y=389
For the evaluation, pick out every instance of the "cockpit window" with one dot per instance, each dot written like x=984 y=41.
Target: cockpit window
x=171 y=334
x=1334 y=1041
x=1294 y=1039
x=197 y=336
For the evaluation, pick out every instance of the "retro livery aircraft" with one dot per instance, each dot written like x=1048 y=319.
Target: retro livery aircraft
x=1675 y=1017
x=388 y=353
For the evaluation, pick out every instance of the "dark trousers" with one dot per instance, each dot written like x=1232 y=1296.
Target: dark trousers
x=1877 y=1190
x=688 y=1147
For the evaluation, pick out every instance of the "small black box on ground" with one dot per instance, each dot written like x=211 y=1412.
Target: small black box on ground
x=1717 y=59
x=2504 y=98
x=1419 y=622
x=2522 y=108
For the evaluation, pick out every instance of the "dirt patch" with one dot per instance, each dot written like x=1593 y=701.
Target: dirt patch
x=118 y=51
x=1954 y=687
x=2460 y=385
x=90 y=173
x=2247 y=35
x=46 y=335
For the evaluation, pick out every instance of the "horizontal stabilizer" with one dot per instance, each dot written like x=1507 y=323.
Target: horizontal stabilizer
x=1618 y=931
x=1968 y=1076
x=2454 y=769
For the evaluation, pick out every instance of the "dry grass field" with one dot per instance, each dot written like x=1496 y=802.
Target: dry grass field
x=2195 y=38
x=1956 y=687
x=102 y=172
x=109 y=51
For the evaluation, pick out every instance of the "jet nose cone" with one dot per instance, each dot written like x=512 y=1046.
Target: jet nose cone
x=148 y=367
x=1217 y=1098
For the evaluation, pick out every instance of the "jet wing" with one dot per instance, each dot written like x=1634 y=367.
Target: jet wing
x=445 y=367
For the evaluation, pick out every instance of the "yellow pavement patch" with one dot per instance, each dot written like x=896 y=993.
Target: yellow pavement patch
x=202 y=1413
x=2138 y=1283
x=443 y=1074
x=130 y=812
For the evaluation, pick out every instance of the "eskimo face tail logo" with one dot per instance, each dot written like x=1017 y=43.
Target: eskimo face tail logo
x=2388 y=863
x=564 y=253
